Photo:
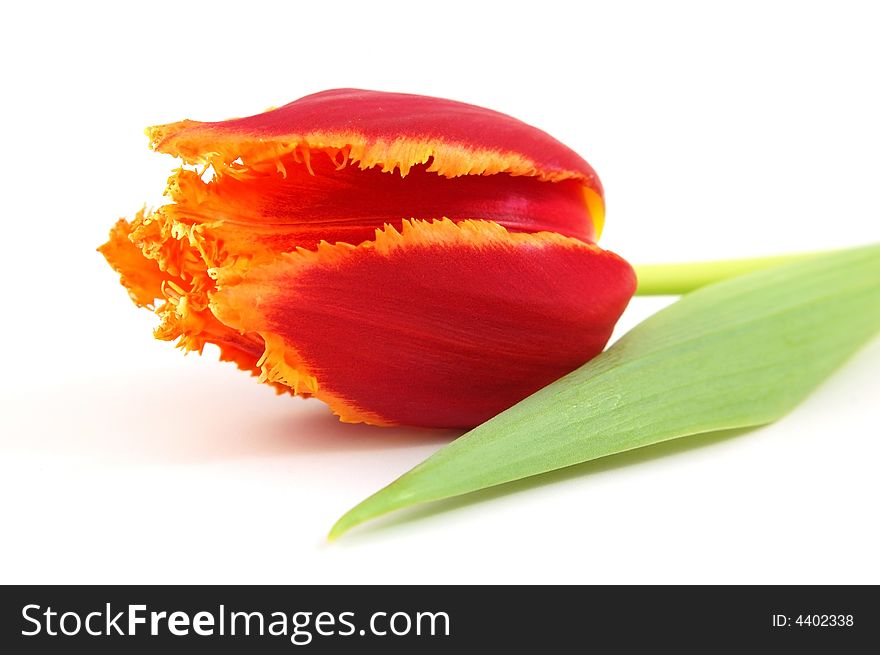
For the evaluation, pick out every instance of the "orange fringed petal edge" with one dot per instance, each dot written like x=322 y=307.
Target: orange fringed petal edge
x=284 y=183
x=140 y=276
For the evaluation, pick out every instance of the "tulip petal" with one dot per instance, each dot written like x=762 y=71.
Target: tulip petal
x=440 y=324
x=390 y=130
x=405 y=133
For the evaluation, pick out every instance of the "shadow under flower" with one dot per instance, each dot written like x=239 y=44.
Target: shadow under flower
x=195 y=415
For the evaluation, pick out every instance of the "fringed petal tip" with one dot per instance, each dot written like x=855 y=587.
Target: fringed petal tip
x=141 y=277
x=183 y=313
x=438 y=324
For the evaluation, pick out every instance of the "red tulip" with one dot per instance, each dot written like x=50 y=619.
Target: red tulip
x=438 y=296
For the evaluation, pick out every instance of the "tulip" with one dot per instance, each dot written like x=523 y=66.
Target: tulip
x=408 y=260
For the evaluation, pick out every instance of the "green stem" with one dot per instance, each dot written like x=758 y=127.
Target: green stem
x=677 y=279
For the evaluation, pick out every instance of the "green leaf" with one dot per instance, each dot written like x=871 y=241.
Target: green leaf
x=735 y=354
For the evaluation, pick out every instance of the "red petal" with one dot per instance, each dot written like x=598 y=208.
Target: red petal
x=492 y=142
x=442 y=325
x=395 y=131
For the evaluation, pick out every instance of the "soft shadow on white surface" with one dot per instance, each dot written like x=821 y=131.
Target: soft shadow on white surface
x=189 y=415
x=202 y=475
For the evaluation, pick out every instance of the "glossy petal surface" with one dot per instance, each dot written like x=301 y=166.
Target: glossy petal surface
x=442 y=325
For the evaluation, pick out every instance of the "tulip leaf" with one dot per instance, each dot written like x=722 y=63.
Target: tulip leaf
x=734 y=354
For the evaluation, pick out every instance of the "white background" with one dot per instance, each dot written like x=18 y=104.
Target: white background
x=717 y=133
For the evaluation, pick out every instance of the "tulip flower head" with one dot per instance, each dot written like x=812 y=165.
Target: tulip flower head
x=406 y=259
